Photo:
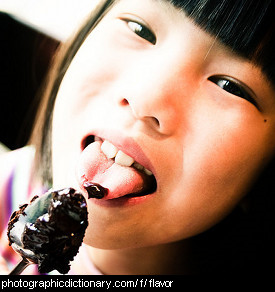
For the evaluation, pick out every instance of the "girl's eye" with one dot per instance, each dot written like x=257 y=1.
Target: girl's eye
x=142 y=31
x=233 y=87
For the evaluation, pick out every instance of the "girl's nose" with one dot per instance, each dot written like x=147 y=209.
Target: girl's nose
x=155 y=95
x=147 y=118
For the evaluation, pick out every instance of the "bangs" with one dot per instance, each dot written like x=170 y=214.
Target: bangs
x=246 y=26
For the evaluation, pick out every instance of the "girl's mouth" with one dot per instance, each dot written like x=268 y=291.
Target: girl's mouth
x=104 y=163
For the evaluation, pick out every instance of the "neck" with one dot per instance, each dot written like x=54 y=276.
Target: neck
x=163 y=259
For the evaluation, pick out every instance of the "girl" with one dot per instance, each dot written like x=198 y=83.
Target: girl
x=170 y=106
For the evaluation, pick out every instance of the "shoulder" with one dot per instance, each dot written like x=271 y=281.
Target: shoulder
x=10 y=161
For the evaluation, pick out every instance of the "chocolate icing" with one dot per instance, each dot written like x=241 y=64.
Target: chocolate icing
x=54 y=229
x=95 y=190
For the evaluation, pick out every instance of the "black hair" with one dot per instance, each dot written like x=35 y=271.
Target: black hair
x=246 y=26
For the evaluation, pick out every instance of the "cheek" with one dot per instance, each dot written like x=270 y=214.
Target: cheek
x=80 y=99
x=66 y=130
x=220 y=162
x=226 y=142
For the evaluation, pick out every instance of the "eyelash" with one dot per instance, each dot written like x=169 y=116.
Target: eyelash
x=223 y=82
x=141 y=30
x=232 y=87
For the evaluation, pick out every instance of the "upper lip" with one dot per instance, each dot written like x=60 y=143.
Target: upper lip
x=127 y=144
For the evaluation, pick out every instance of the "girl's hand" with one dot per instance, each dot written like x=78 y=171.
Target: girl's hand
x=3 y=267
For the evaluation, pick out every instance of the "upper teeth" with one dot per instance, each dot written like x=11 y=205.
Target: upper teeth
x=120 y=157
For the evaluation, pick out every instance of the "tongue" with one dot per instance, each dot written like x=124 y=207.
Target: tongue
x=95 y=167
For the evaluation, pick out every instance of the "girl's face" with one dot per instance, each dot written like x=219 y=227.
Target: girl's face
x=170 y=96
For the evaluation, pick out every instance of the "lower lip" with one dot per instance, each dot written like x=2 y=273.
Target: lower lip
x=122 y=201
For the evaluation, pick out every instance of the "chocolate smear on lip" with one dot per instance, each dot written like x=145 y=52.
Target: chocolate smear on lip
x=95 y=190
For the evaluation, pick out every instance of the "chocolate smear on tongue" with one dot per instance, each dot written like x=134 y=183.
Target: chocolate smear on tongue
x=95 y=190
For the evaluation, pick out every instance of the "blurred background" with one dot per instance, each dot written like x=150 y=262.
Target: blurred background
x=31 y=31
